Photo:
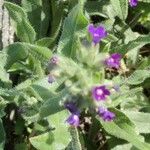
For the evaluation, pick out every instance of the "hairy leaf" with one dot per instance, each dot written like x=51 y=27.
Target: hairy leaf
x=123 y=128
x=58 y=138
x=121 y=8
x=140 y=119
x=74 y=25
x=24 y=30
x=138 y=77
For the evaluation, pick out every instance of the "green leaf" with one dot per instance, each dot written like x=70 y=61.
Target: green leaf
x=74 y=25
x=75 y=142
x=22 y=26
x=52 y=105
x=44 y=89
x=96 y=7
x=106 y=48
x=138 y=76
x=137 y=102
x=57 y=17
x=45 y=18
x=46 y=42
x=39 y=52
x=124 y=147
x=119 y=144
x=43 y=93
x=140 y=119
x=145 y=1
x=145 y=63
x=2 y=135
x=135 y=44
x=39 y=14
x=4 y=76
x=124 y=95
x=121 y=8
x=33 y=9
x=19 y=51
x=2 y=107
x=15 y=52
x=123 y=128
x=58 y=138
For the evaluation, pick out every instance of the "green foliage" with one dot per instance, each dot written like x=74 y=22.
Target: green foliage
x=73 y=28
x=141 y=120
x=75 y=142
x=14 y=53
x=138 y=77
x=53 y=139
x=121 y=8
x=123 y=128
x=2 y=135
x=24 y=30
x=47 y=28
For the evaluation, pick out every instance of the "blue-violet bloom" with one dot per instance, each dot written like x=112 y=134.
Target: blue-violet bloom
x=106 y=114
x=113 y=61
x=51 y=78
x=73 y=120
x=54 y=60
x=133 y=3
x=100 y=93
x=72 y=108
x=97 y=33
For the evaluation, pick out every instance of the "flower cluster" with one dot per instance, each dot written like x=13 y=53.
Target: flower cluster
x=100 y=92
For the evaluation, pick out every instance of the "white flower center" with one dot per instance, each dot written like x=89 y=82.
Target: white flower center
x=111 y=60
x=75 y=117
x=99 y=92
x=96 y=35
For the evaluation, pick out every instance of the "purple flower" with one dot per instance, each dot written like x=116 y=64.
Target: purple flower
x=133 y=3
x=54 y=60
x=97 y=33
x=72 y=108
x=113 y=61
x=51 y=78
x=100 y=93
x=73 y=120
x=106 y=114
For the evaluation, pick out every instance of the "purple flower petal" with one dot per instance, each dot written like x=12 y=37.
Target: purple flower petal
x=133 y=3
x=100 y=93
x=73 y=120
x=116 y=56
x=97 y=33
x=101 y=31
x=113 y=61
x=106 y=114
x=72 y=108
x=91 y=28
